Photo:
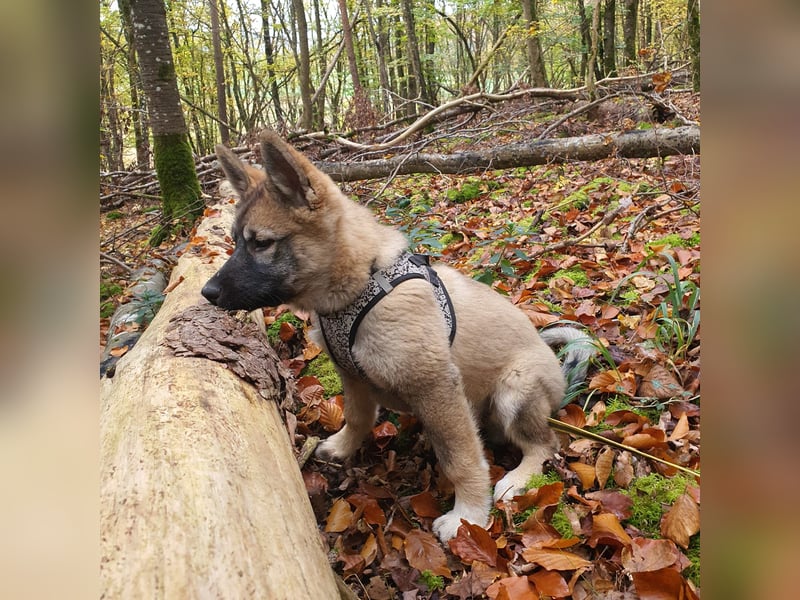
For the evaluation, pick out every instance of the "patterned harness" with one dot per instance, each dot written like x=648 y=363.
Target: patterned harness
x=339 y=329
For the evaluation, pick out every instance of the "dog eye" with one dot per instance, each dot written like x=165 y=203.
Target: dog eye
x=263 y=244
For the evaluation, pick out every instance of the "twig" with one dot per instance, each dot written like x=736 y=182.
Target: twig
x=111 y=259
x=606 y=220
x=565 y=427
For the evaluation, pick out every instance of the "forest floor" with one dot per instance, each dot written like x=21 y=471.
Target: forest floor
x=612 y=245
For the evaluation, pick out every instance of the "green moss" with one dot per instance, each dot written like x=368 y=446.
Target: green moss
x=107 y=291
x=542 y=479
x=574 y=274
x=431 y=581
x=579 y=199
x=618 y=402
x=450 y=238
x=114 y=215
x=561 y=523
x=629 y=296
x=180 y=189
x=468 y=191
x=693 y=554
x=322 y=368
x=673 y=240
x=651 y=495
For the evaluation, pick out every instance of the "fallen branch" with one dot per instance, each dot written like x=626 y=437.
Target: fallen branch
x=632 y=144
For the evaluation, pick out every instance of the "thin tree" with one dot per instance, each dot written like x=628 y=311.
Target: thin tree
x=538 y=77
x=693 y=31
x=417 y=87
x=138 y=108
x=349 y=48
x=610 y=38
x=269 y=54
x=304 y=66
x=219 y=73
x=181 y=201
x=629 y=31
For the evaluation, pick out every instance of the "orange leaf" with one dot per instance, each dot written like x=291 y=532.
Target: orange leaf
x=287 y=331
x=369 y=551
x=649 y=555
x=331 y=415
x=623 y=470
x=340 y=516
x=603 y=464
x=368 y=509
x=606 y=529
x=660 y=383
x=555 y=560
x=547 y=495
x=586 y=473
x=119 y=351
x=664 y=584
x=614 y=382
x=512 y=588
x=425 y=505
x=681 y=429
x=550 y=583
x=383 y=433
x=424 y=553
x=681 y=521
x=473 y=542
x=572 y=414
x=640 y=441
x=311 y=351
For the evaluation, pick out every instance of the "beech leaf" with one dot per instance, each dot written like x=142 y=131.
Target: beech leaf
x=681 y=521
x=472 y=543
x=424 y=553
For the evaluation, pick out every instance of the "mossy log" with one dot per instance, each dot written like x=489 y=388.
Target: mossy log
x=201 y=495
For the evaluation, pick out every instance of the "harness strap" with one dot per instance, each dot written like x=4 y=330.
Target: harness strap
x=339 y=329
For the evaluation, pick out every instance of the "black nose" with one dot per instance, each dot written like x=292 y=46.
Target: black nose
x=211 y=291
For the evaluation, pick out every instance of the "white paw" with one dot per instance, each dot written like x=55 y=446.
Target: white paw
x=339 y=446
x=513 y=484
x=446 y=526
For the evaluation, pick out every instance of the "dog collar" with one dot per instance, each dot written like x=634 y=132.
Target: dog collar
x=339 y=329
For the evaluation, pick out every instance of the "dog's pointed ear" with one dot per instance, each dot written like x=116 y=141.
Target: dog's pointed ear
x=233 y=168
x=288 y=180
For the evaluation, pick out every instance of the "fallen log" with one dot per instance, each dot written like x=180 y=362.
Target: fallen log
x=201 y=495
x=659 y=141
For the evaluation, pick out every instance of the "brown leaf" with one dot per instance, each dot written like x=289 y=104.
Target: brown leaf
x=660 y=383
x=472 y=543
x=369 y=551
x=614 y=382
x=174 y=284
x=603 y=464
x=681 y=429
x=649 y=555
x=572 y=414
x=664 y=584
x=555 y=560
x=331 y=414
x=539 y=319
x=340 y=516
x=119 y=351
x=550 y=583
x=623 y=470
x=315 y=483
x=606 y=529
x=512 y=588
x=368 y=508
x=311 y=350
x=614 y=502
x=425 y=505
x=287 y=331
x=586 y=473
x=547 y=495
x=681 y=521
x=424 y=553
x=383 y=433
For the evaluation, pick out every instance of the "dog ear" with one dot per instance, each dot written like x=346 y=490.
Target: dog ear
x=288 y=181
x=233 y=168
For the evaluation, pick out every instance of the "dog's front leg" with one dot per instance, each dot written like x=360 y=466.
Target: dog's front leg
x=451 y=428
x=360 y=412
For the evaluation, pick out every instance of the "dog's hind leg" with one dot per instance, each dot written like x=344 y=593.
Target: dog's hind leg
x=522 y=404
x=360 y=412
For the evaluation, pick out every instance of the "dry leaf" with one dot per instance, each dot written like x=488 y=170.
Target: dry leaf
x=331 y=414
x=606 y=529
x=512 y=588
x=340 y=516
x=681 y=521
x=472 y=543
x=424 y=553
x=603 y=464
x=586 y=473
x=660 y=383
x=555 y=560
x=649 y=555
x=550 y=583
x=425 y=505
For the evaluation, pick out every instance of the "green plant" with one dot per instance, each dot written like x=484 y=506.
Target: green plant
x=650 y=495
x=678 y=315
x=107 y=291
x=322 y=368
x=114 y=215
x=468 y=191
x=431 y=581
x=274 y=330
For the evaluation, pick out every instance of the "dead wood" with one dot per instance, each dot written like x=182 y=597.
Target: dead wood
x=201 y=495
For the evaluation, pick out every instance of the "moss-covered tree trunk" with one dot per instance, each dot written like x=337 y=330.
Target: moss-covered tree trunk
x=174 y=162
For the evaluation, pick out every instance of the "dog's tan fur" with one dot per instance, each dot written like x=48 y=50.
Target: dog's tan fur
x=498 y=372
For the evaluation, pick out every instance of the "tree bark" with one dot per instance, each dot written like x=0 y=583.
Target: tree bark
x=538 y=77
x=610 y=38
x=181 y=199
x=269 y=55
x=219 y=74
x=693 y=31
x=304 y=66
x=632 y=144
x=629 y=31
x=138 y=114
x=201 y=495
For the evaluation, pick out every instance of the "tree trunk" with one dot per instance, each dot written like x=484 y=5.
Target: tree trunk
x=629 y=31
x=201 y=495
x=219 y=73
x=138 y=113
x=181 y=200
x=538 y=77
x=693 y=31
x=381 y=40
x=349 y=48
x=304 y=66
x=586 y=40
x=610 y=39
x=270 y=56
x=416 y=86
x=594 y=35
x=632 y=144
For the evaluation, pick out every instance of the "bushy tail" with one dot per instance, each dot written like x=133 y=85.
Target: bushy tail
x=578 y=351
